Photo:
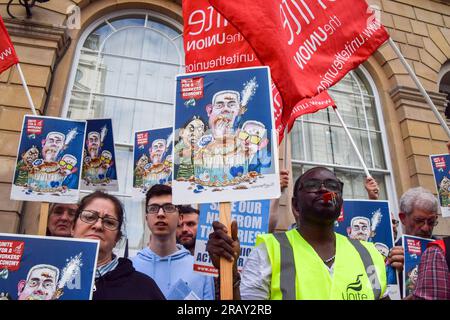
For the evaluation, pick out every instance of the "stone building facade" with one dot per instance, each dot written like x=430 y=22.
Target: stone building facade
x=48 y=51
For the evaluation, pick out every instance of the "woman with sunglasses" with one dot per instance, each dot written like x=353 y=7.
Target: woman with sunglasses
x=100 y=217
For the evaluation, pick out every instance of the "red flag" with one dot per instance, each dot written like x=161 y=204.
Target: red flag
x=8 y=56
x=212 y=43
x=319 y=102
x=309 y=45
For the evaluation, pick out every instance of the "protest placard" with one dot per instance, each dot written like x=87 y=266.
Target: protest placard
x=441 y=171
x=225 y=145
x=370 y=220
x=99 y=162
x=49 y=159
x=414 y=247
x=29 y=272
x=152 y=159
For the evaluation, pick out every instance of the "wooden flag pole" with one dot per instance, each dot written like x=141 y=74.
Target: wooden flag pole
x=353 y=143
x=43 y=217
x=419 y=86
x=25 y=86
x=226 y=267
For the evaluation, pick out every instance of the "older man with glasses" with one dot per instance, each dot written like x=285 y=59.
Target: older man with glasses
x=169 y=263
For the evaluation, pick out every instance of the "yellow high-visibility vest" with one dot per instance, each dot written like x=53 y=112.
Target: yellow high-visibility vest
x=299 y=273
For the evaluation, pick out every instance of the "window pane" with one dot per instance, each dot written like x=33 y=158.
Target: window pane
x=318 y=146
x=97 y=37
x=126 y=42
x=158 y=47
x=378 y=153
x=343 y=151
x=371 y=113
x=122 y=22
x=88 y=72
x=350 y=108
x=296 y=141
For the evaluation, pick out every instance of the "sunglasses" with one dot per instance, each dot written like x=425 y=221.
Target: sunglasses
x=254 y=139
x=68 y=166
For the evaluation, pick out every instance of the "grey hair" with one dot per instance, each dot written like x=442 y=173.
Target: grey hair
x=418 y=198
x=44 y=266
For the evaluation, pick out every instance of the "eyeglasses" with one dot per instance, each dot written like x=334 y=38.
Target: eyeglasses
x=105 y=159
x=314 y=185
x=254 y=139
x=167 y=208
x=69 y=166
x=91 y=217
x=432 y=222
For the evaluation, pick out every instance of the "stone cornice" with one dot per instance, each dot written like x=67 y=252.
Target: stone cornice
x=39 y=31
x=413 y=94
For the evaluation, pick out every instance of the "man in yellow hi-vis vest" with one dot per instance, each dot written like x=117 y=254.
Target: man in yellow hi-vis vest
x=311 y=262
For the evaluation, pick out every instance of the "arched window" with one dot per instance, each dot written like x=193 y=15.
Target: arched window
x=319 y=139
x=125 y=69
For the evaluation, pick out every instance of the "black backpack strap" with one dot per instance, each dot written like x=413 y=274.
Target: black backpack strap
x=287 y=267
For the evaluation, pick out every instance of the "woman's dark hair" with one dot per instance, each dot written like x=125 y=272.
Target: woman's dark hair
x=102 y=195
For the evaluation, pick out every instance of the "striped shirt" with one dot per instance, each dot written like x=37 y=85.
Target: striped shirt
x=104 y=269
x=433 y=282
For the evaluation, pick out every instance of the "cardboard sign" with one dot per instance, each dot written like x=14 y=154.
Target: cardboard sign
x=29 y=272
x=49 y=160
x=414 y=248
x=441 y=171
x=152 y=159
x=99 y=162
x=225 y=145
x=370 y=220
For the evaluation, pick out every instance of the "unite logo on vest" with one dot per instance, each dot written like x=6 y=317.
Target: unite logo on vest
x=353 y=290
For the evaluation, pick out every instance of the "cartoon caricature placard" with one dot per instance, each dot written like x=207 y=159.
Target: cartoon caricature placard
x=152 y=159
x=29 y=272
x=370 y=220
x=224 y=147
x=49 y=160
x=414 y=247
x=99 y=163
x=441 y=172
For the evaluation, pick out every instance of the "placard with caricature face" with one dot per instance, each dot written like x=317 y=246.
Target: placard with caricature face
x=370 y=220
x=99 y=162
x=413 y=247
x=152 y=159
x=440 y=164
x=29 y=272
x=49 y=160
x=224 y=138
